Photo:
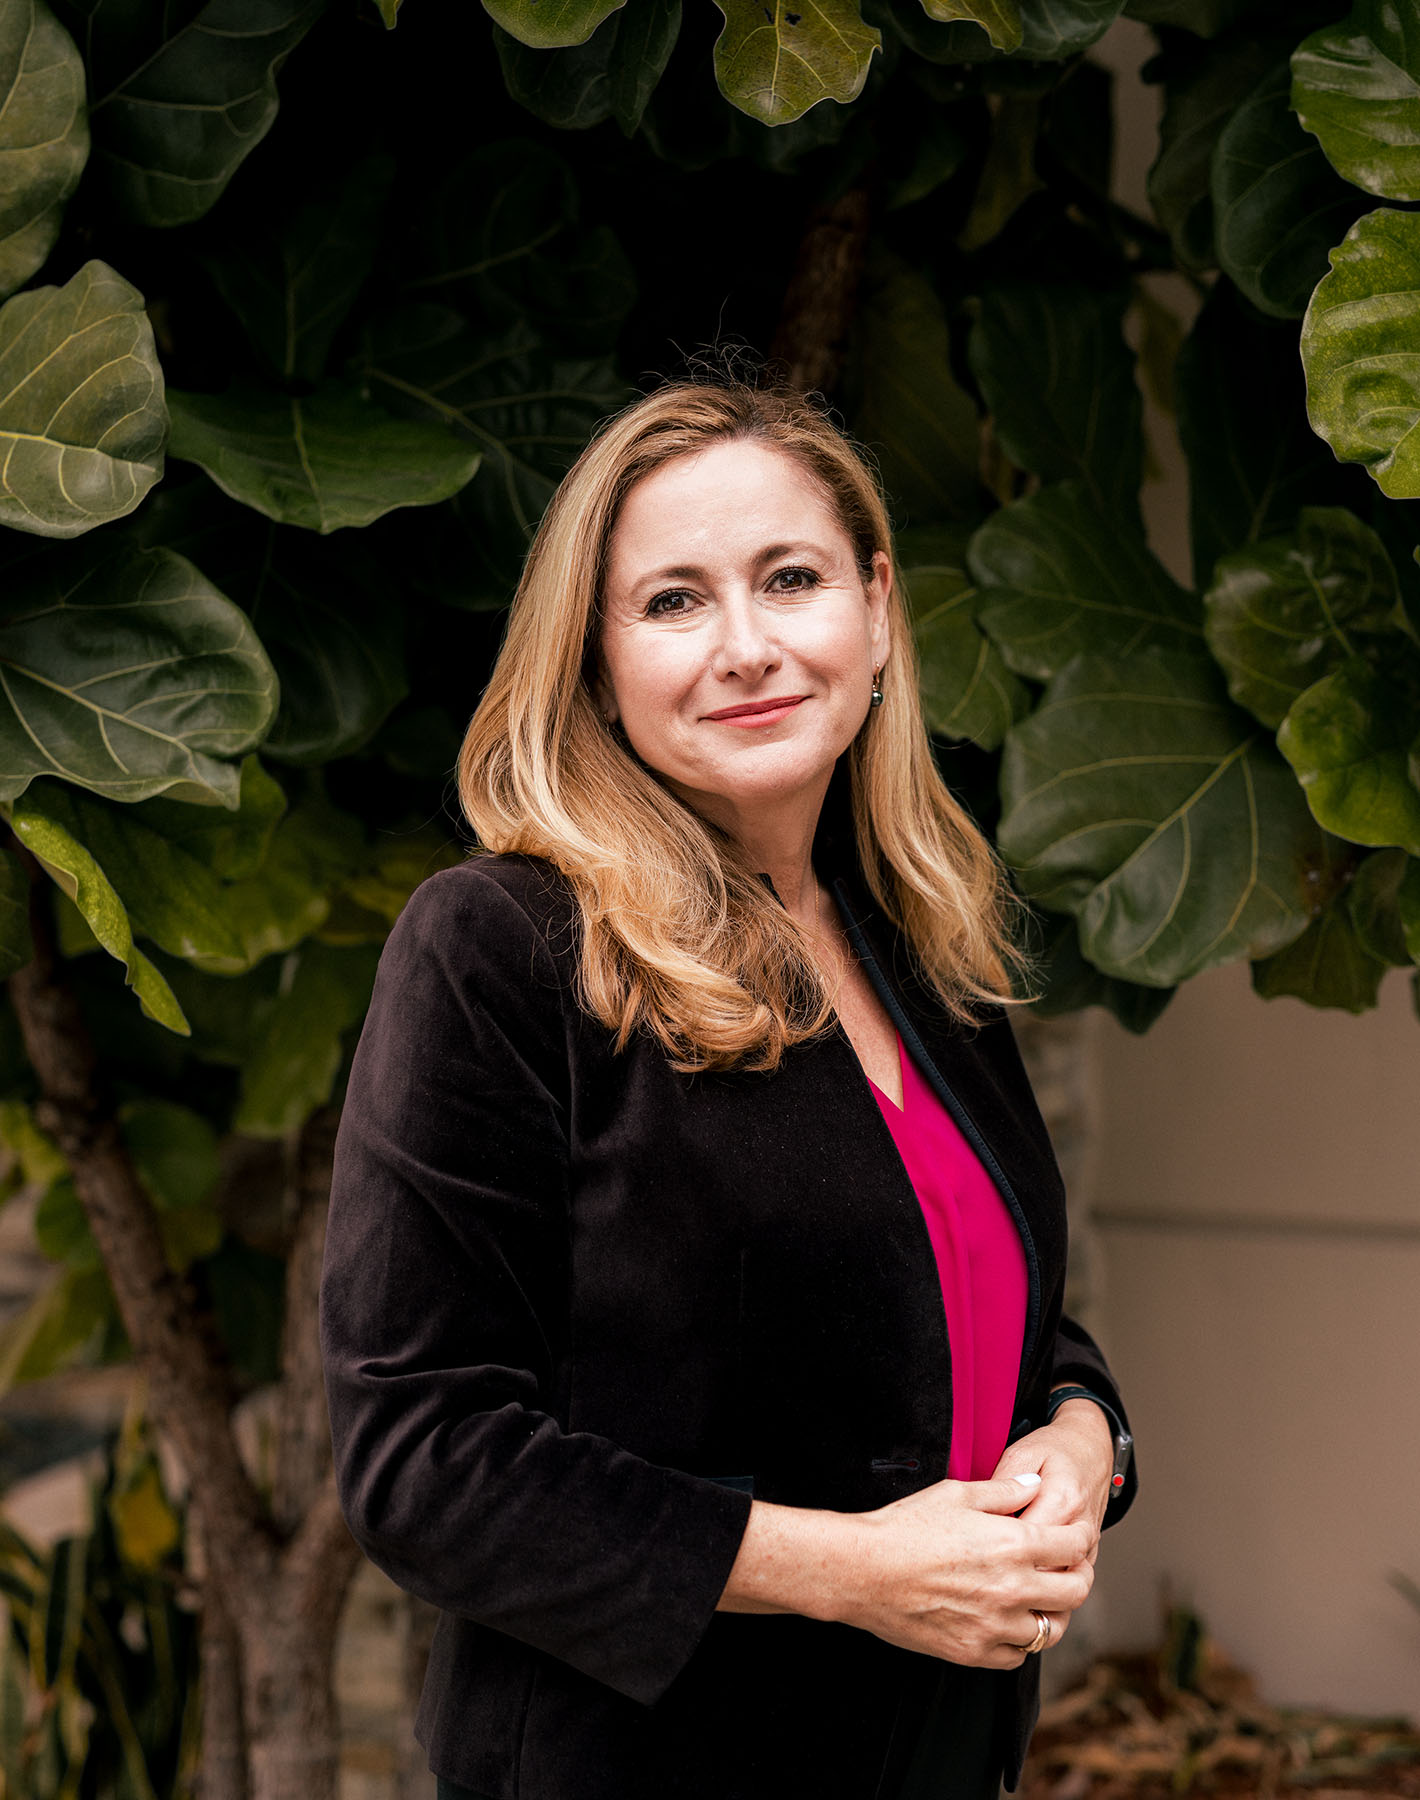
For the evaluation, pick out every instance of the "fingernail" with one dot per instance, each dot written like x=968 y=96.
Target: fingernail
x=1027 y=1480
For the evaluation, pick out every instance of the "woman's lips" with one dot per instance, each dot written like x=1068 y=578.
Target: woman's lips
x=758 y=712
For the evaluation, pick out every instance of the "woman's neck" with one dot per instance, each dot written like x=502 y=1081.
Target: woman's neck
x=778 y=843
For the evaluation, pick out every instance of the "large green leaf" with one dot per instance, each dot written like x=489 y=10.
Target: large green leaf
x=335 y=633
x=325 y=461
x=232 y=844
x=1008 y=174
x=612 y=75
x=967 y=690
x=44 y=135
x=688 y=125
x=169 y=895
x=521 y=253
x=81 y=878
x=1253 y=461
x=774 y=63
x=645 y=36
x=1138 y=798
x=1051 y=31
x=1283 y=613
x=1328 y=965
x=999 y=19
x=228 y=1014
x=1349 y=737
x=1278 y=206
x=15 y=945
x=1059 y=380
x=1408 y=905
x=909 y=408
x=292 y=1070
x=529 y=412
x=1059 y=577
x=128 y=673
x=313 y=852
x=293 y=288
x=81 y=404
x=550 y=27
x=1384 y=888
x=1357 y=86
x=179 y=97
x=1200 y=97
x=332 y=614
x=373 y=899
x=1361 y=351
x=1062 y=982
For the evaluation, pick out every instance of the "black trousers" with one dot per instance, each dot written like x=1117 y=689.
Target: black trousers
x=957 y=1757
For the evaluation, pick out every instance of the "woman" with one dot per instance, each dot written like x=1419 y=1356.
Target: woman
x=696 y=1246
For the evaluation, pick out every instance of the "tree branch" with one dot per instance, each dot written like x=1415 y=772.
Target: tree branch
x=321 y=1558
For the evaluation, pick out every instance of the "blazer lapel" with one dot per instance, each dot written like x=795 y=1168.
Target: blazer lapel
x=923 y=1044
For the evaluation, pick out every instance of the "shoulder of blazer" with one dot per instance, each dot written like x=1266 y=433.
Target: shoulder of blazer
x=495 y=935
x=498 y=908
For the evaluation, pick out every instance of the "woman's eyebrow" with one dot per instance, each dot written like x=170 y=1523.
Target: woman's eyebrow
x=694 y=572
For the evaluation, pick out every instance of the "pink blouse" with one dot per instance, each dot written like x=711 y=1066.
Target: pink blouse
x=981 y=1265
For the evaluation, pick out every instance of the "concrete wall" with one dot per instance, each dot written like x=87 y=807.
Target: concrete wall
x=1255 y=1207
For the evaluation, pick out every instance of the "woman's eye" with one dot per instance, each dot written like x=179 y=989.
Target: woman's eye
x=801 y=579
x=668 y=605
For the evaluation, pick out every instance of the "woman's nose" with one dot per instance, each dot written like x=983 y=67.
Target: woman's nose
x=743 y=644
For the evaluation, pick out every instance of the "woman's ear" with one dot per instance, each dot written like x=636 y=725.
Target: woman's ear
x=602 y=697
x=877 y=592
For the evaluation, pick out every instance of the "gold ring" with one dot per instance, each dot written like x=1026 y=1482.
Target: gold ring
x=1041 y=1640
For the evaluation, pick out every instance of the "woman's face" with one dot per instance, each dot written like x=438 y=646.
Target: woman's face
x=739 y=641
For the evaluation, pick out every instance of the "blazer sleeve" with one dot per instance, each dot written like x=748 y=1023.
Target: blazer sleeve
x=1079 y=1360
x=444 y=1300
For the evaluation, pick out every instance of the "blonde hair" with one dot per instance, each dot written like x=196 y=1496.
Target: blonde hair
x=679 y=935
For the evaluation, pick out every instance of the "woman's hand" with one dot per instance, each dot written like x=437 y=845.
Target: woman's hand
x=1074 y=1458
x=947 y=1572
x=954 y=1574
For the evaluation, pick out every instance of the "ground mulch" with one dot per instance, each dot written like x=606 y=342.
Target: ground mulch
x=1185 y=1721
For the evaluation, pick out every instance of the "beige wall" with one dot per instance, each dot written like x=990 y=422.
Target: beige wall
x=1255 y=1203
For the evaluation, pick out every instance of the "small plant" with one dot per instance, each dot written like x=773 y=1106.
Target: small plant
x=98 y=1663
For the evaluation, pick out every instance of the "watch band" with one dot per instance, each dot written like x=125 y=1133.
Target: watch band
x=1123 y=1440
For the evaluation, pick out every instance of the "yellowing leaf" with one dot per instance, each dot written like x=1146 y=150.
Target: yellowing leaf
x=774 y=62
x=93 y=893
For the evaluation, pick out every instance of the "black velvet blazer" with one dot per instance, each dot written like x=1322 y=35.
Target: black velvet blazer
x=578 y=1308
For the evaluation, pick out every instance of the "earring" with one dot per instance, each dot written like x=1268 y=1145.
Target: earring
x=877 y=698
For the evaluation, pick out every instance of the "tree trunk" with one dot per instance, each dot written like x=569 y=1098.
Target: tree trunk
x=224 y=1753
x=293 y=1730
x=303 y=1453
x=817 y=315
x=273 y=1587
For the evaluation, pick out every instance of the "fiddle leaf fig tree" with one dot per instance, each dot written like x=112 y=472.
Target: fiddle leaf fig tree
x=305 y=308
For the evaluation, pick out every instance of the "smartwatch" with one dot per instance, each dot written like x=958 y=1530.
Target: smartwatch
x=1123 y=1441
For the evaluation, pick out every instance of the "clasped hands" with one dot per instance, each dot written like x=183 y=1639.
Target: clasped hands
x=957 y=1570
x=960 y=1569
